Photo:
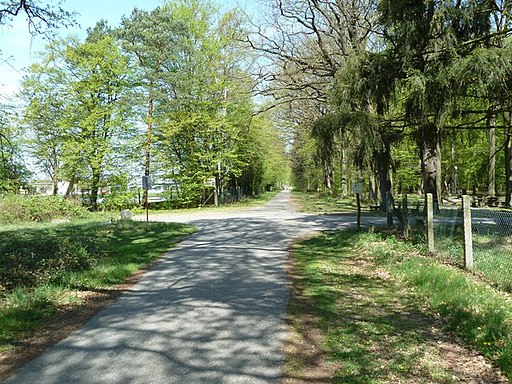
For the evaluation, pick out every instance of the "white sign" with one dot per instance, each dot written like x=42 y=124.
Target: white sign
x=210 y=182
x=357 y=188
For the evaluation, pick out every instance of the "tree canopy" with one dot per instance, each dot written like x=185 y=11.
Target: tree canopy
x=398 y=94
x=166 y=94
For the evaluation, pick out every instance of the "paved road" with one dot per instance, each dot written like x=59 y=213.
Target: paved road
x=212 y=312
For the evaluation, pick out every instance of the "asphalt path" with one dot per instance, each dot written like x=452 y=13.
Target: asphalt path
x=213 y=311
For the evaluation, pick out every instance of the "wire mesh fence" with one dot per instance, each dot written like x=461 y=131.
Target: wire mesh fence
x=449 y=234
x=492 y=245
x=491 y=237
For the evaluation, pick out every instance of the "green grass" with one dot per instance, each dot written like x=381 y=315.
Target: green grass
x=316 y=203
x=245 y=202
x=42 y=267
x=377 y=298
x=252 y=201
x=492 y=252
x=21 y=208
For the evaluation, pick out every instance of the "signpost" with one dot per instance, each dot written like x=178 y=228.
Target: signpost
x=146 y=185
x=357 y=188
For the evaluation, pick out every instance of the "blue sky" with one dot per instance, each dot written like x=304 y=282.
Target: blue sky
x=19 y=49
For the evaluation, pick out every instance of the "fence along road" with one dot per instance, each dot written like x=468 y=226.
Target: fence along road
x=212 y=311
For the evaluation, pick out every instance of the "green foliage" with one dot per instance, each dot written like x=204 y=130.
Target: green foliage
x=320 y=204
x=16 y=208
x=119 y=200
x=13 y=173
x=362 y=309
x=76 y=108
x=194 y=88
x=42 y=268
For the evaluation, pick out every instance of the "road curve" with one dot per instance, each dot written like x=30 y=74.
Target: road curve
x=213 y=311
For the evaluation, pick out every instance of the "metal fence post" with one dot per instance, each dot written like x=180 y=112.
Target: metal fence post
x=430 y=222
x=468 y=234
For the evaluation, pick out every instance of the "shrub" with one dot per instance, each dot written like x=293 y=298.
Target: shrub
x=45 y=260
x=120 y=200
x=17 y=208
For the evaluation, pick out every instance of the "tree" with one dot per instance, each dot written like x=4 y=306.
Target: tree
x=425 y=39
x=41 y=17
x=44 y=115
x=76 y=107
x=13 y=172
x=151 y=38
x=308 y=41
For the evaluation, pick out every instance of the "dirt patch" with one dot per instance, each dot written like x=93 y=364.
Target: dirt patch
x=305 y=360
x=63 y=323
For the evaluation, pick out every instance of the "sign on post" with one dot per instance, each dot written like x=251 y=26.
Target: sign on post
x=210 y=182
x=357 y=188
x=146 y=182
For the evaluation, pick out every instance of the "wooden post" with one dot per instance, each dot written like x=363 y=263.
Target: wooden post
x=215 y=193
x=389 y=209
x=358 y=201
x=405 y=217
x=430 y=222
x=468 y=235
x=146 y=186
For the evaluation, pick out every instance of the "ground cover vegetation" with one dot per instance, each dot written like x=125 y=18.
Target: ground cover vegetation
x=20 y=209
x=388 y=313
x=491 y=250
x=50 y=268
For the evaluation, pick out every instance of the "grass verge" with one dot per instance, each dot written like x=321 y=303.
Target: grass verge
x=383 y=309
x=47 y=269
x=245 y=202
x=315 y=203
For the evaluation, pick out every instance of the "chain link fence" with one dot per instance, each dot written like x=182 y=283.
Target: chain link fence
x=492 y=245
x=449 y=234
x=491 y=236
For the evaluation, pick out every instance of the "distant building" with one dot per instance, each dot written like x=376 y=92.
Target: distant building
x=45 y=187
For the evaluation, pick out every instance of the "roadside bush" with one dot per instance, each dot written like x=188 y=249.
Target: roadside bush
x=119 y=201
x=44 y=260
x=17 y=208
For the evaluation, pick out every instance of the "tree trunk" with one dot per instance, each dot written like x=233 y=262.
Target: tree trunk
x=71 y=186
x=372 y=190
x=491 y=187
x=430 y=154
x=344 y=187
x=55 y=182
x=54 y=170
x=94 y=188
x=439 y=171
x=149 y=132
x=452 y=185
x=327 y=171
x=383 y=160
